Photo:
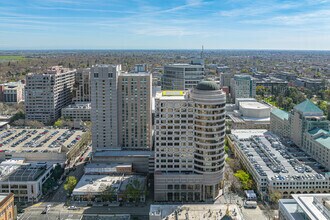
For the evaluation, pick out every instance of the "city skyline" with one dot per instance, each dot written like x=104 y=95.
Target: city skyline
x=139 y=24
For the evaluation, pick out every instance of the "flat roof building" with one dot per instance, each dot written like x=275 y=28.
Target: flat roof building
x=191 y=211
x=48 y=93
x=242 y=86
x=121 y=103
x=305 y=206
x=248 y=113
x=93 y=187
x=79 y=110
x=23 y=179
x=182 y=76
x=275 y=167
x=7 y=206
x=12 y=92
x=56 y=145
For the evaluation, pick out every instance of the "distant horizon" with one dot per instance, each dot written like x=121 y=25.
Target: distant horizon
x=158 y=49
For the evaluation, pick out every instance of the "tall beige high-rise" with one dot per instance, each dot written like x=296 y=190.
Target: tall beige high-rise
x=134 y=104
x=121 y=109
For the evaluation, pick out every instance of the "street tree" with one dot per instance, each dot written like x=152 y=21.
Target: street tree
x=70 y=183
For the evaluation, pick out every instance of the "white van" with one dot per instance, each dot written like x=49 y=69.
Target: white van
x=250 y=204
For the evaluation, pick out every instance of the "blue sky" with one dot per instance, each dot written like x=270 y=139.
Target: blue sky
x=165 y=24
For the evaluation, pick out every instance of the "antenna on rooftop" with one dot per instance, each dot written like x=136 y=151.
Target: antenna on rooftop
x=202 y=52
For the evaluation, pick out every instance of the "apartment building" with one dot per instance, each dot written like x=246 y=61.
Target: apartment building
x=189 y=143
x=121 y=104
x=81 y=88
x=182 y=76
x=242 y=86
x=104 y=92
x=134 y=104
x=48 y=93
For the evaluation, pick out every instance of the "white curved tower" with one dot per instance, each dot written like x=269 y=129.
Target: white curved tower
x=189 y=143
x=209 y=135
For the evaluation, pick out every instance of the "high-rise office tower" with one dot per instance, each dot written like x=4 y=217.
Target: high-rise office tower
x=182 y=76
x=189 y=143
x=48 y=93
x=242 y=86
x=121 y=108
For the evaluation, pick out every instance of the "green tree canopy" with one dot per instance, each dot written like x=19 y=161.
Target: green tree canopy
x=245 y=179
x=70 y=183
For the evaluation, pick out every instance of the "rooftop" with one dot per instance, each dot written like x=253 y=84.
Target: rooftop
x=183 y=65
x=308 y=107
x=79 y=105
x=243 y=77
x=96 y=184
x=272 y=159
x=18 y=170
x=280 y=114
x=37 y=140
x=321 y=136
x=207 y=85
x=253 y=105
x=118 y=153
x=171 y=95
x=312 y=206
x=194 y=211
x=104 y=168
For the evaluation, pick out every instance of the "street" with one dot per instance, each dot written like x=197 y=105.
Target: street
x=60 y=194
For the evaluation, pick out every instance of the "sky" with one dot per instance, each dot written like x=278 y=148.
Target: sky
x=165 y=24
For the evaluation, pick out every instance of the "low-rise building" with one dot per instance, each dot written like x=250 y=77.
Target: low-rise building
x=79 y=110
x=24 y=179
x=305 y=206
x=12 y=92
x=273 y=84
x=310 y=83
x=142 y=161
x=105 y=187
x=274 y=167
x=248 y=113
x=7 y=206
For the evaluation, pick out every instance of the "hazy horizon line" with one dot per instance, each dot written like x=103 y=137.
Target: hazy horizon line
x=159 y=49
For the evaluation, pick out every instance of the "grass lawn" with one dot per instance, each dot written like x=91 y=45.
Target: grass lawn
x=11 y=57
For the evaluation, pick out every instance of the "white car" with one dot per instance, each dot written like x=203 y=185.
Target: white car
x=72 y=207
